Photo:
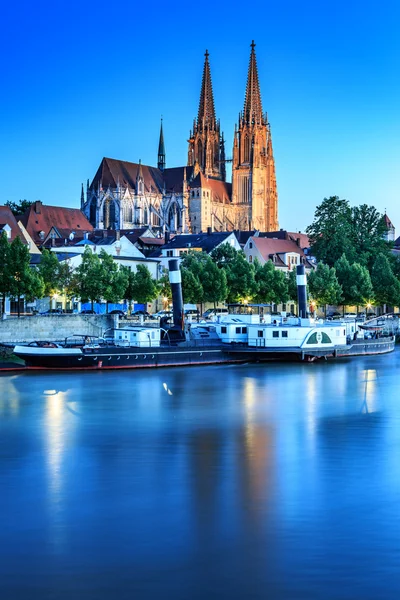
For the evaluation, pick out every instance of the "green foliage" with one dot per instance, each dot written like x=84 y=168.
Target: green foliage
x=323 y=285
x=292 y=286
x=192 y=290
x=141 y=286
x=24 y=280
x=87 y=279
x=330 y=233
x=49 y=271
x=241 y=279
x=164 y=287
x=19 y=208
x=223 y=255
x=386 y=286
x=6 y=278
x=214 y=283
x=355 y=281
x=272 y=285
x=367 y=234
x=113 y=279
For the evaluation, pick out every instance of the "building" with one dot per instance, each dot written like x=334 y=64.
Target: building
x=390 y=234
x=191 y=198
x=285 y=254
x=200 y=242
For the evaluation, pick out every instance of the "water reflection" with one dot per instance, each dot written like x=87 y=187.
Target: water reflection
x=237 y=477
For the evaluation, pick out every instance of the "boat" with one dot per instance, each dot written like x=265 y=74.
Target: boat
x=245 y=334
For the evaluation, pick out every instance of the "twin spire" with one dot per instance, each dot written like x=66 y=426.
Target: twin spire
x=206 y=115
x=252 y=111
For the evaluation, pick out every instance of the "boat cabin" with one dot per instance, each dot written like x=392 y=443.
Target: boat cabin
x=137 y=337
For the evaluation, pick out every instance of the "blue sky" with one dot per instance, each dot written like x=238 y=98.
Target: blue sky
x=83 y=80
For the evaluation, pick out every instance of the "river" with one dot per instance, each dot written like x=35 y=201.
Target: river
x=277 y=481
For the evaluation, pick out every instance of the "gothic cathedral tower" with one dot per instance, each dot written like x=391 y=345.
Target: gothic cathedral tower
x=254 y=191
x=206 y=146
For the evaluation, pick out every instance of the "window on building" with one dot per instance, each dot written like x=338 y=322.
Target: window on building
x=275 y=334
x=244 y=329
x=238 y=329
x=251 y=245
x=250 y=259
x=170 y=252
x=284 y=334
x=223 y=329
x=260 y=333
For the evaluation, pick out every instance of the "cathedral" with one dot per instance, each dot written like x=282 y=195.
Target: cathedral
x=189 y=199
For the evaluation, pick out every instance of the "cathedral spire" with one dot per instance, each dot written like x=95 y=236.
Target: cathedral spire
x=161 y=150
x=206 y=115
x=252 y=112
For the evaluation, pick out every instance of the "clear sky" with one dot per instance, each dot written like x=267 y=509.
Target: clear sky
x=83 y=80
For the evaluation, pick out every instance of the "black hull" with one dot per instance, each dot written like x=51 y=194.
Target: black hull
x=131 y=358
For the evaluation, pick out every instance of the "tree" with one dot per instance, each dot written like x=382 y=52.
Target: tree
x=224 y=254
x=214 y=283
x=49 y=270
x=331 y=232
x=6 y=279
x=272 y=284
x=367 y=234
x=386 y=286
x=18 y=208
x=192 y=290
x=113 y=279
x=143 y=288
x=241 y=279
x=323 y=285
x=24 y=280
x=87 y=279
x=355 y=282
x=292 y=285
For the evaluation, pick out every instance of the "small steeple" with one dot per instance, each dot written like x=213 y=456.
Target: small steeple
x=252 y=111
x=82 y=198
x=206 y=116
x=161 y=150
x=140 y=179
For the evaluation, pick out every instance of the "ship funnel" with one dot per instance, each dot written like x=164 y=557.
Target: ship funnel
x=176 y=288
x=301 y=291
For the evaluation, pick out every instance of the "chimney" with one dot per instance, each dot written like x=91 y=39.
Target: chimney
x=166 y=237
x=38 y=207
x=209 y=230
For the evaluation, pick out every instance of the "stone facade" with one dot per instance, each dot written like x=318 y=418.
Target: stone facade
x=190 y=199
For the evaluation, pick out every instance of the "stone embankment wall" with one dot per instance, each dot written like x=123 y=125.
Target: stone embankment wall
x=54 y=327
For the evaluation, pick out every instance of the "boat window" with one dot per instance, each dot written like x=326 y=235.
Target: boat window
x=284 y=333
x=275 y=334
x=244 y=329
x=260 y=333
x=238 y=329
x=223 y=329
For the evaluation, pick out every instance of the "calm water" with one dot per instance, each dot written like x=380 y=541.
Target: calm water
x=260 y=482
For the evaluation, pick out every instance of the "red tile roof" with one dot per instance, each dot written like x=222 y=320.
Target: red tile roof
x=267 y=247
x=221 y=190
x=40 y=217
x=7 y=218
x=387 y=221
x=112 y=171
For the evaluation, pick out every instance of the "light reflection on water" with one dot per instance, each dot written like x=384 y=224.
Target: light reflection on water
x=278 y=481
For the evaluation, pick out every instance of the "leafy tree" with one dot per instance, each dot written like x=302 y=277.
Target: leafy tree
x=143 y=287
x=130 y=290
x=6 y=278
x=164 y=287
x=367 y=234
x=386 y=286
x=25 y=281
x=114 y=280
x=272 y=284
x=49 y=270
x=331 y=232
x=241 y=279
x=214 y=283
x=323 y=285
x=192 y=290
x=355 y=282
x=19 y=208
x=224 y=254
x=292 y=285
x=87 y=279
